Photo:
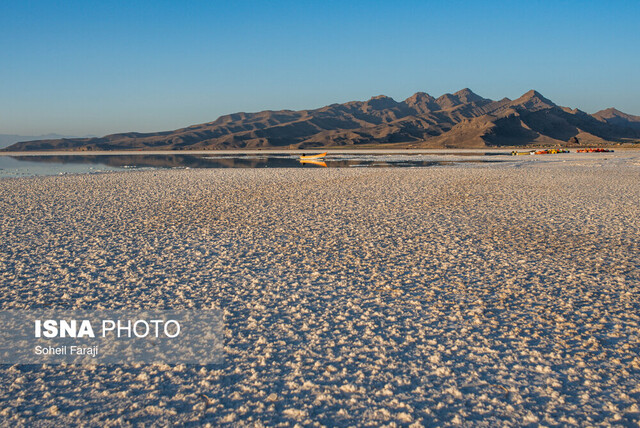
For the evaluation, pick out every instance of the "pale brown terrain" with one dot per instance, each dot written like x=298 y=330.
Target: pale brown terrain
x=460 y=120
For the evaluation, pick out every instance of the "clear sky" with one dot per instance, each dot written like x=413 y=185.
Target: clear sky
x=98 y=67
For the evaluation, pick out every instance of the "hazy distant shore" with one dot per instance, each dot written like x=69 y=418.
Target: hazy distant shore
x=507 y=294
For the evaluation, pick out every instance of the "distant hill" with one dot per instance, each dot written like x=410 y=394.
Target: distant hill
x=460 y=120
x=618 y=118
x=8 y=139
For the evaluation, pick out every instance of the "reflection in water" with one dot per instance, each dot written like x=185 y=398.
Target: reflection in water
x=314 y=162
x=60 y=164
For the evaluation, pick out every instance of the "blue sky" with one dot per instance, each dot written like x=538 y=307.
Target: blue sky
x=85 y=67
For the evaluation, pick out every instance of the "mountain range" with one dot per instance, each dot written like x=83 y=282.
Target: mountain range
x=460 y=120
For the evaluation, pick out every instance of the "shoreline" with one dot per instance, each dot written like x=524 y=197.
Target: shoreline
x=12 y=167
x=506 y=150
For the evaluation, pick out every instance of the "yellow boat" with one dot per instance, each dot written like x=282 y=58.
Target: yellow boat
x=321 y=155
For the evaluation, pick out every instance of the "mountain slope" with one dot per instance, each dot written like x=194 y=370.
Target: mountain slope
x=618 y=118
x=462 y=119
x=9 y=139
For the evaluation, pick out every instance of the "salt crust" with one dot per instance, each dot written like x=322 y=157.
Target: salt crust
x=484 y=295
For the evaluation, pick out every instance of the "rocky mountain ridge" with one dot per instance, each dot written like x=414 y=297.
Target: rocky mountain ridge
x=459 y=120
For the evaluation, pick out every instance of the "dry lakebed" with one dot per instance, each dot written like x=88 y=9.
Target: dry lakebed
x=474 y=294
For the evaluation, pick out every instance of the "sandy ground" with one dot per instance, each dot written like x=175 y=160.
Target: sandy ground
x=498 y=294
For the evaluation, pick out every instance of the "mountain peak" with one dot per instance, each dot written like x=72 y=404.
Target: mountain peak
x=531 y=93
x=421 y=102
x=463 y=92
x=381 y=102
x=420 y=96
x=381 y=97
x=613 y=114
x=447 y=101
x=466 y=95
x=533 y=100
x=610 y=111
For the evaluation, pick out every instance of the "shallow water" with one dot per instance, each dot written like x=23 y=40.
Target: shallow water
x=18 y=166
x=12 y=167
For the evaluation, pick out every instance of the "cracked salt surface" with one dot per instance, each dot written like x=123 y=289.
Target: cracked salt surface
x=485 y=294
